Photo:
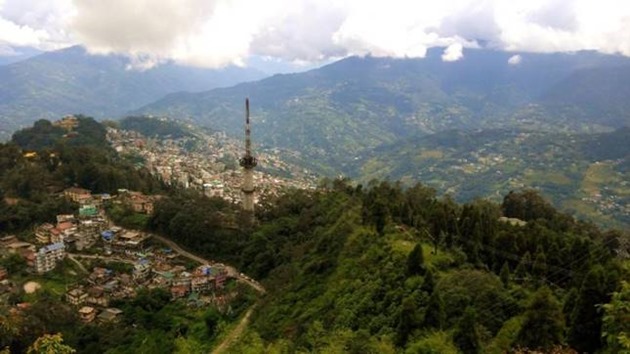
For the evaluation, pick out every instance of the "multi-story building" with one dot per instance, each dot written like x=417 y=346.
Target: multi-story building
x=42 y=233
x=47 y=257
x=76 y=296
x=78 y=195
x=141 y=270
x=87 y=314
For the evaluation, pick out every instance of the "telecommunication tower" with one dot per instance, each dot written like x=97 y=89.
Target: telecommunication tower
x=248 y=162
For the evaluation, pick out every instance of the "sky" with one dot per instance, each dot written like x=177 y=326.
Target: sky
x=218 y=33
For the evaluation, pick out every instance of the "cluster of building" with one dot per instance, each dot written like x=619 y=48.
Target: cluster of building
x=81 y=231
x=155 y=269
x=211 y=166
x=149 y=266
x=100 y=288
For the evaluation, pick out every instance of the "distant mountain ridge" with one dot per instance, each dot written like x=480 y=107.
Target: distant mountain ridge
x=332 y=114
x=71 y=81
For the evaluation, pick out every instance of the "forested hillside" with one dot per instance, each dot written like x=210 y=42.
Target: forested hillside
x=376 y=268
x=381 y=268
x=347 y=108
x=43 y=160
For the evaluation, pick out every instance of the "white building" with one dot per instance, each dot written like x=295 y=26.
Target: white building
x=47 y=257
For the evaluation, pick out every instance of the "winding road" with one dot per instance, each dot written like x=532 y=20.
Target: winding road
x=231 y=270
x=242 y=325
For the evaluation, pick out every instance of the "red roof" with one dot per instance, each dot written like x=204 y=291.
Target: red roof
x=64 y=225
x=75 y=190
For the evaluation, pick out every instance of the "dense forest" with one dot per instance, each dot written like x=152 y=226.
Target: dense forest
x=376 y=268
x=151 y=127
x=381 y=268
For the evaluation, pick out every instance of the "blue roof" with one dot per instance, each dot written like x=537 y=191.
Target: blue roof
x=52 y=247
x=107 y=235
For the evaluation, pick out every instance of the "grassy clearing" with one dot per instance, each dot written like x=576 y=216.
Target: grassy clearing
x=547 y=177
x=587 y=211
x=597 y=175
x=403 y=243
x=429 y=154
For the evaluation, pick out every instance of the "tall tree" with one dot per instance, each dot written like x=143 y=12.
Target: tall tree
x=505 y=274
x=408 y=320
x=466 y=336
x=616 y=321
x=522 y=270
x=415 y=261
x=543 y=325
x=429 y=282
x=586 y=319
x=435 y=316
x=49 y=344
x=539 y=268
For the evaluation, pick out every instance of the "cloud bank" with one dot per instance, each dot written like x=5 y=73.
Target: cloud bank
x=216 y=33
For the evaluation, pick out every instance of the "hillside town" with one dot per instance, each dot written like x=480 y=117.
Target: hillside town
x=122 y=261
x=209 y=163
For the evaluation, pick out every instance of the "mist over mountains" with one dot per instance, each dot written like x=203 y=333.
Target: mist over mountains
x=71 y=81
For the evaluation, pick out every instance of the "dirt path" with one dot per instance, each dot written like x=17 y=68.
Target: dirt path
x=71 y=257
x=242 y=325
x=236 y=332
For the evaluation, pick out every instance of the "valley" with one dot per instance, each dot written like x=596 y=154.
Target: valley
x=402 y=205
x=476 y=128
x=589 y=185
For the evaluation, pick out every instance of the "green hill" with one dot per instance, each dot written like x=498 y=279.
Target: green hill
x=383 y=270
x=332 y=114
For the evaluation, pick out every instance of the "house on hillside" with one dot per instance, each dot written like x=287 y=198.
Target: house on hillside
x=110 y=315
x=141 y=270
x=87 y=314
x=76 y=296
x=97 y=297
x=42 y=233
x=139 y=202
x=47 y=257
x=7 y=240
x=179 y=291
x=78 y=195
x=68 y=123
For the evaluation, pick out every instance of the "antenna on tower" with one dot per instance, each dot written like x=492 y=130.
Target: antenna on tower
x=248 y=162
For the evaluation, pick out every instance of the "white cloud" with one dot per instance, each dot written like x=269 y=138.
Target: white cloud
x=216 y=33
x=35 y=23
x=515 y=59
x=453 y=52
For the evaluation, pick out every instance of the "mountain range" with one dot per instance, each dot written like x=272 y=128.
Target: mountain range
x=443 y=123
x=72 y=81
x=333 y=114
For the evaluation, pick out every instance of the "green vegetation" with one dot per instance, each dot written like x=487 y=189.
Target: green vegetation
x=43 y=160
x=582 y=174
x=343 y=271
x=376 y=268
x=152 y=127
x=150 y=323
